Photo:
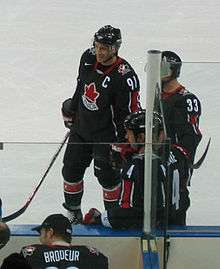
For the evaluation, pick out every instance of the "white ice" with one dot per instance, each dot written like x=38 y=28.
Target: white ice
x=40 y=46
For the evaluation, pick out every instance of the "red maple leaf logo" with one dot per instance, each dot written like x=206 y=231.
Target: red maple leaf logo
x=90 y=92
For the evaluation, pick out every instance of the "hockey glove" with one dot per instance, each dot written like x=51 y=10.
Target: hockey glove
x=120 y=154
x=115 y=157
x=92 y=217
x=68 y=113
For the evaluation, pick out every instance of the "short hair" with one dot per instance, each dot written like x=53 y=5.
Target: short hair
x=15 y=261
x=65 y=237
x=59 y=223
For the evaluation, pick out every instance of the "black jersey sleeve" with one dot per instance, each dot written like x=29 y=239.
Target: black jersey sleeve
x=95 y=260
x=189 y=133
x=126 y=97
x=87 y=61
x=182 y=113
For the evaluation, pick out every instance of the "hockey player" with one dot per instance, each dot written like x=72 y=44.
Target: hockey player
x=182 y=110
x=107 y=91
x=129 y=214
x=15 y=261
x=4 y=234
x=4 y=230
x=56 y=250
x=0 y=209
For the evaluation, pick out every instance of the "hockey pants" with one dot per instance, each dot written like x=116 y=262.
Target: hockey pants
x=77 y=157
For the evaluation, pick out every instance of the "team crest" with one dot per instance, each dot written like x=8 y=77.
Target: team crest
x=123 y=69
x=93 y=251
x=90 y=96
x=28 y=250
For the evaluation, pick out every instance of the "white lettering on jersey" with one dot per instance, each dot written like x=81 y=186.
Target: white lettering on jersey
x=70 y=267
x=60 y=255
x=132 y=83
x=104 y=83
x=130 y=170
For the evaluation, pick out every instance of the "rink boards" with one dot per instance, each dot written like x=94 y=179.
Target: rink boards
x=192 y=247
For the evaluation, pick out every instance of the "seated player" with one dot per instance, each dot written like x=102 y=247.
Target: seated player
x=56 y=250
x=129 y=214
x=15 y=261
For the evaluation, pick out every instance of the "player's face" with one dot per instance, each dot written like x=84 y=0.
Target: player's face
x=130 y=136
x=104 y=54
x=135 y=141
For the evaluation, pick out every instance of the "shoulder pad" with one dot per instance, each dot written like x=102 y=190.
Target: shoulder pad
x=125 y=68
x=88 y=54
x=188 y=93
x=28 y=250
x=92 y=50
x=88 y=59
x=93 y=250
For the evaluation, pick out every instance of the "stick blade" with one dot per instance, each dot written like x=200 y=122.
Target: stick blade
x=200 y=161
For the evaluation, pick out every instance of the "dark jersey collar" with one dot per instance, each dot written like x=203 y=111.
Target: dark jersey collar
x=166 y=95
x=107 y=69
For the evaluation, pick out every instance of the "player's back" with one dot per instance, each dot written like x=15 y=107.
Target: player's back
x=63 y=257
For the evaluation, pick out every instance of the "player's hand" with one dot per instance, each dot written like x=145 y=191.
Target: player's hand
x=68 y=122
x=116 y=157
x=120 y=153
x=67 y=113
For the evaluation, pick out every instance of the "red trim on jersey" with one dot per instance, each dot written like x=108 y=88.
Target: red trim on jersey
x=183 y=150
x=108 y=70
x=125 y=201
x=73 y=187
x=193 y=119
x=166 y=95
x=135 y=101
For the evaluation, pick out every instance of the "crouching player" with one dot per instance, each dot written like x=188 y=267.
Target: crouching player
x=129 y=214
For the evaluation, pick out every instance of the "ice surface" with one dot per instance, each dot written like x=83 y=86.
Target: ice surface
x=40 y=46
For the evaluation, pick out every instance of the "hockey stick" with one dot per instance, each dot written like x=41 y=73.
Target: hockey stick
x=31 y=197
x=201 y=160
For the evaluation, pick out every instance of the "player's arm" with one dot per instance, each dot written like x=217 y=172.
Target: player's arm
x=86 y=62
x=190 y=134
x=29 y=252
x=126 y=99
x=101 y=262
x=96 y=259
x=70 y=105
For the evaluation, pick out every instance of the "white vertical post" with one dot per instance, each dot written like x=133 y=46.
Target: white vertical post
x=153 y=81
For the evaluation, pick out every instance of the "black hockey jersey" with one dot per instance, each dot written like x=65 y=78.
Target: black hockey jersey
x=104 y=96
x=64 y=257
x=182 y=110
x=129 y=214
x=132 y=191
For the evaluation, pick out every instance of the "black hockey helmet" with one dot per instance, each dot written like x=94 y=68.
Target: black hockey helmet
x=171 y=64
x=109 y=35
x=136 y=121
